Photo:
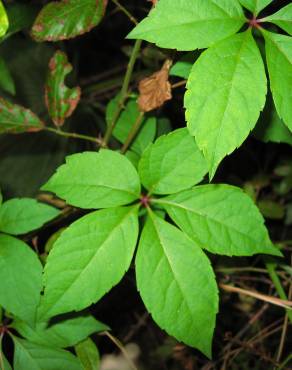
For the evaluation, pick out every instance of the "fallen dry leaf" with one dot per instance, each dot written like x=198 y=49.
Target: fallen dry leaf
x=155 y=90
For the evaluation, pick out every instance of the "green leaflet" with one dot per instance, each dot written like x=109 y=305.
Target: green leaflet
x=19 y=216
x=6 y=80
x=279 y=60
x=35 y=357
x=21 y=278
x=283 y=18
x=21 y=16
x=67 y=19
x=220 y=218
x=88 y=259
x=3 y=20
x=255 y=6
x=15 y=119
x=271 y=128
x=5 y=363
x=60 y=100
x=96 y=180
x=126 y=121
x=172 y=163
x=189 y=24
x=177 y=284
x=1 y=198
x=182 y=68
x=62 y=334
x=226 y=91
x=88 y=354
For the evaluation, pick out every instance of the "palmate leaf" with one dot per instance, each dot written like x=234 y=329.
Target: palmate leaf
x=15 y=119
x=19 y=216
x=67 y=19
x=255 y=6
x=220 y=218
x=21 y=278
x=36 y=357
x=177 y=284
x=282 y=18
x=189 y=24
x=88 y=354
x=172 y=163
x=226 y=91
x=60 y=100
x=63 y=334
x=88 y=259
x=279 y=60
x=96 y=180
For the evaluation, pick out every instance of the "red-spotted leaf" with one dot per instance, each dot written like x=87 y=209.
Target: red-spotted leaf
x=67 y=19
x=61 y=101
x=15 y=119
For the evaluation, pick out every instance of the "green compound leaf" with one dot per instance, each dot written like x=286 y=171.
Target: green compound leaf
x=172 y=163
x=189 y=24
x=125 y=123
x=67 y=19
x=19 y=216
x=177 y=284
x=62 y=334
x=60 y=100
x=222 y=219
x=88 y=354
x=88 y=259
x=21 y=278
x=279 y=60
x=283 y=18
x=4 y=24
x=15 y=119
x=255 y=6
x=96 y=180
x=6 y=80
x=226 y=91
x=35 y=357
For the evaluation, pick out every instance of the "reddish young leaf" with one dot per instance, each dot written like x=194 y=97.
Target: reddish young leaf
x=15 y=119
x=61 y=101
x=67 y=19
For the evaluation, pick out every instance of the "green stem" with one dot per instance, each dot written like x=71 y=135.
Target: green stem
x=132 y=134
x=124 y=91
x=125 y=11
x=74 y=135
x=271 y=267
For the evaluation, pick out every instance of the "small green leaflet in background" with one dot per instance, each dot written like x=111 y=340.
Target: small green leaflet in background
x=21 y=16
x=96 y=180
x=19 y=216
x=61 y=101
x=220 y=218
x=182 y=68
x=177 y=284
x=4 y=24
x=21 y=278
x=189 y=24
x=63 y=334
x=283 y=18
x=271 y=209
x=6 y=80
x=15 y=119
x=226 y=92
x=172 y=163
x=255 y=6
x=279 y=60
x=67 y=19
x=36 y=357
x=126 y=121
x=88 y=354
x=270 y=127
x=98 y=248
